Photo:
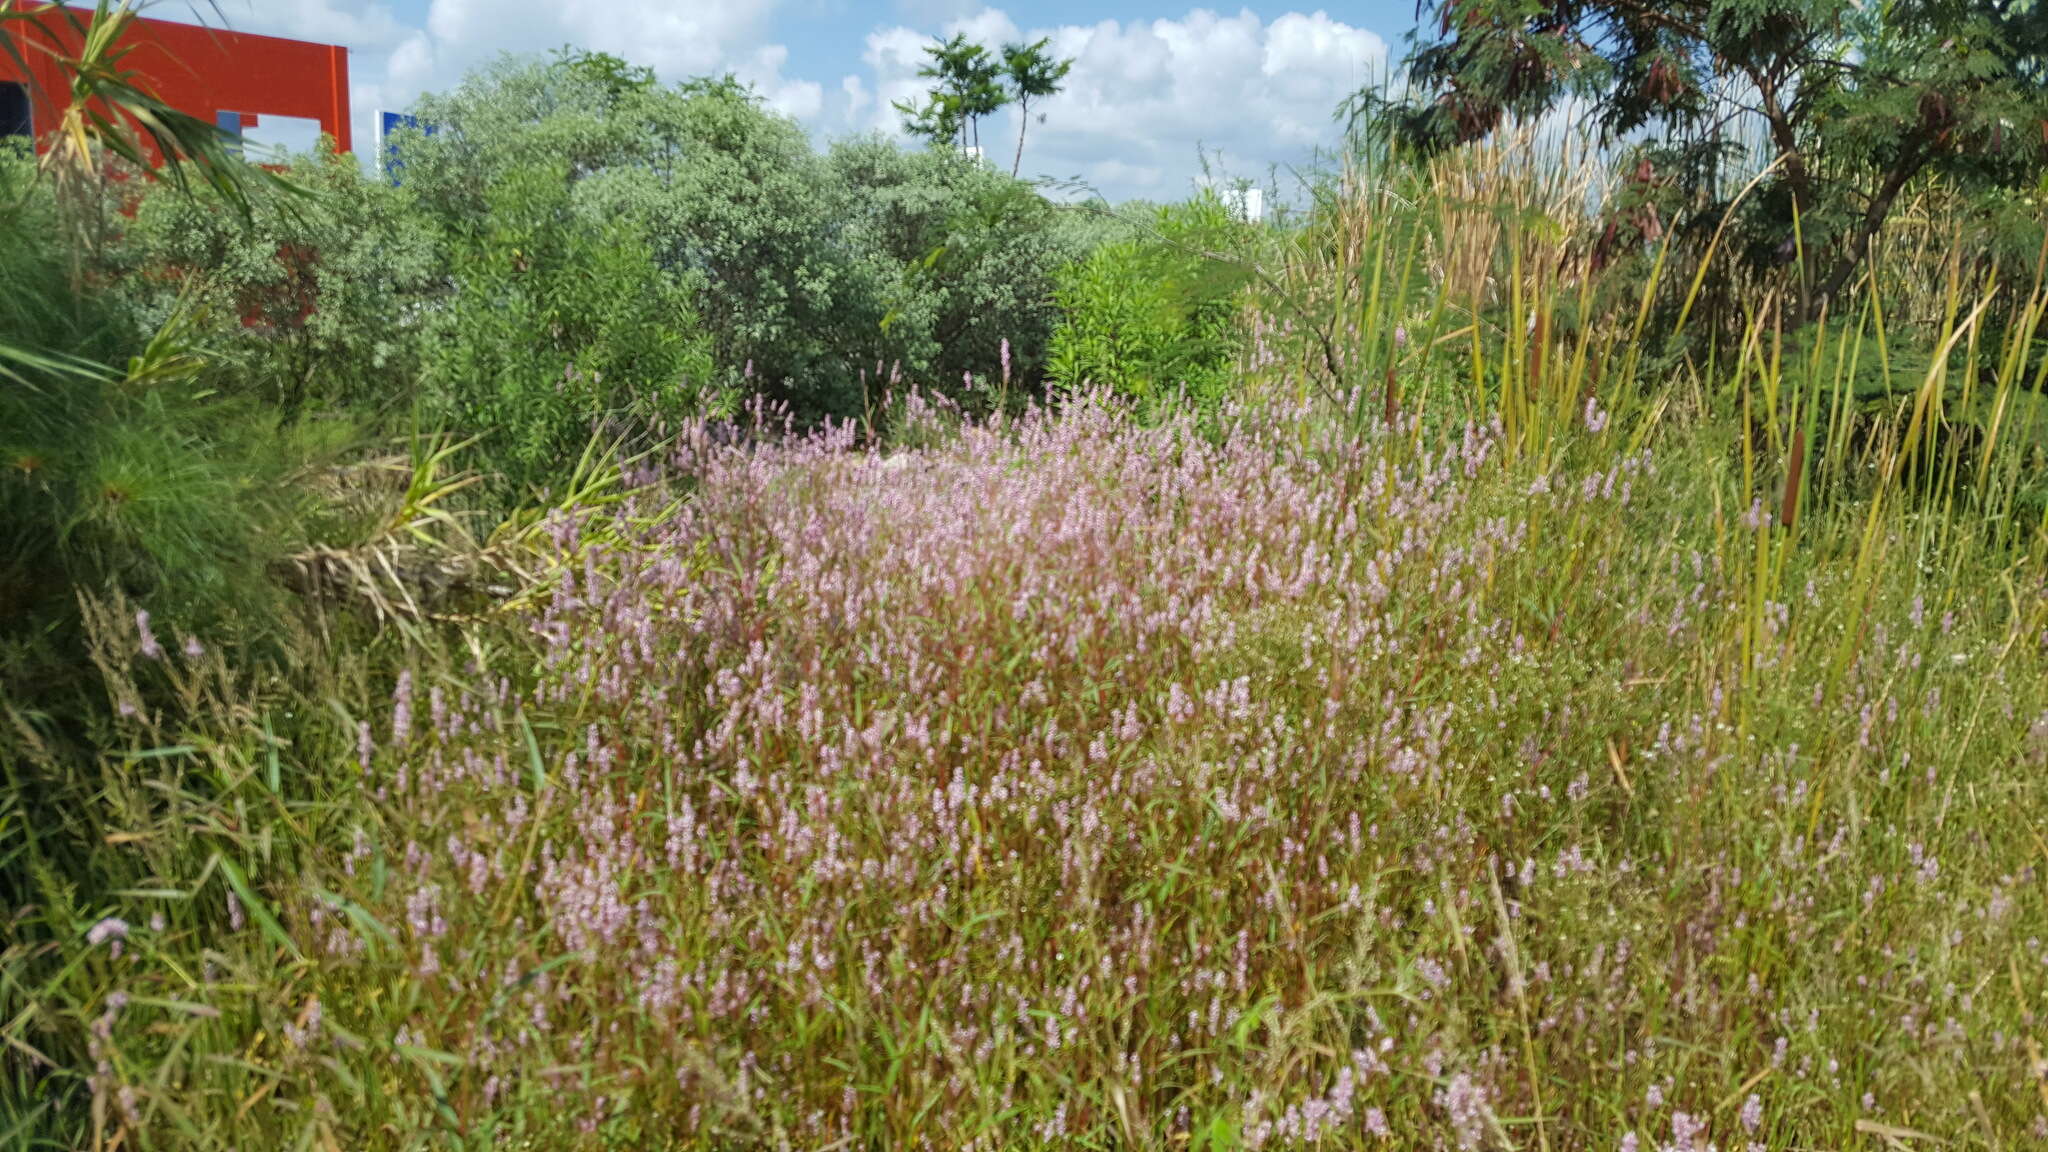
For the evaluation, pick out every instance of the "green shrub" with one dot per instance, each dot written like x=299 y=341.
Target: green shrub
x=313 y=299
x=806 y=271
x=967 y=256
x=1156 y=314
x=733 y=198
x=560 y=324
x=715 y=196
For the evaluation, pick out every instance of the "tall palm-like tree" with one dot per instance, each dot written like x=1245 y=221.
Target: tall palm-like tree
x=969 y=88
x=1031 y=74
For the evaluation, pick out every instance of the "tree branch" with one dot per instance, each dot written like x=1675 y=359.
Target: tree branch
x=1911 y=161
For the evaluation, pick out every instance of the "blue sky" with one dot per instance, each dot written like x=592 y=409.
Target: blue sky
x=819 y=33
x=1154 y=85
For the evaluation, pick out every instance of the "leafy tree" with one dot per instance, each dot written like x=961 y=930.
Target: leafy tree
x=561 y=325
x=560 y=314
x=1031 y=75
x=715 y=197
x=969 y=88
x=1854 y=100
x=613 y=77
x=802 y=271
x=732 y=200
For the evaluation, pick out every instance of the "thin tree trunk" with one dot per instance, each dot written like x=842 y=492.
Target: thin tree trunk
x=1023 y=122
x=1873 y=219
x=1786 y=142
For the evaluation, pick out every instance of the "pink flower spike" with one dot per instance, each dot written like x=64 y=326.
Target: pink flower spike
x=111 y=928
x=150 y=647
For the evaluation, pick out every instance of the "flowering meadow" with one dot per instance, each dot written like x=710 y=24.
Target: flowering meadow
x=1067 y=781
x=635 y=627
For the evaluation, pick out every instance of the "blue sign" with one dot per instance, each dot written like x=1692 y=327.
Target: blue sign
x=387 y=123
x=230 y=125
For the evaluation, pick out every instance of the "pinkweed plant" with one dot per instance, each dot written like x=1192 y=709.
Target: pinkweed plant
x=1069 y=779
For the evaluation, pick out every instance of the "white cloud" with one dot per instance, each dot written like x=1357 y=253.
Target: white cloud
x=989 y=26
x=1144 y=95
x=322 y=21
x=675 y=39
x=762 y=67
x=855 y=98
x=893 y=56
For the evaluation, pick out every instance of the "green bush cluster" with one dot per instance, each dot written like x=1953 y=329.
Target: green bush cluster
x=806 y=275
x=309 y=302
x=1155 y=315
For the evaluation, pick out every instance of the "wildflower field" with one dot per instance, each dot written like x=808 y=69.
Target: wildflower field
x=700 y=643
x=1076 y=782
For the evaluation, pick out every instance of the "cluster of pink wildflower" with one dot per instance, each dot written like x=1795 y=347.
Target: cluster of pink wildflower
x=1080 y=777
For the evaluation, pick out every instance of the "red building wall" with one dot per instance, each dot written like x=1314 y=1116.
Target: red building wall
x=200 y=71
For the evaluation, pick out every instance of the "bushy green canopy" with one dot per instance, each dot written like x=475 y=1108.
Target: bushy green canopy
x=805 y=270
x=1848 y=101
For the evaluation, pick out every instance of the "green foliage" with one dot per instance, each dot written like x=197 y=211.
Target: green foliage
x=1849 y=103
x=125 y=466
x=718 y=195
x=963 y=256
x=1157 y=313
x=578 y=251
x=314 y=298
x=561 y=326
x=731 y=198
x=609 y=74
x=805 y=271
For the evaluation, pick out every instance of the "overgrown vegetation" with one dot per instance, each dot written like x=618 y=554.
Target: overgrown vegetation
x=1839 y=107
x=1156 y=316
x=645 y=634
